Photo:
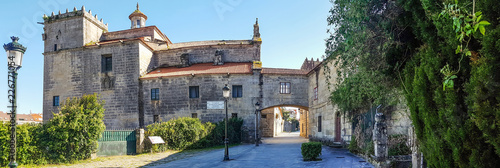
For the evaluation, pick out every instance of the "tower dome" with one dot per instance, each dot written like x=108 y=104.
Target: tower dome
x=137 y=18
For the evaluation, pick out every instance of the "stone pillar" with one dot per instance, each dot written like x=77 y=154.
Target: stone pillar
x=139 y=136
x=380 y=138
x=416 y=155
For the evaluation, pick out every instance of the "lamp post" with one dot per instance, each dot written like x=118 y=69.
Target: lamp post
x=15 y=52
x=225 y=92
x=257 y=106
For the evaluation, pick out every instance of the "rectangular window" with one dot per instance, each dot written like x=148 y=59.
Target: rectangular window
x=319 y=123
x=138 y=23
x=285 y=87
x=237 y=91
x=55 y=47
x=316 y=93
x=263 y=116
x=194 y=115
x=155 y=94
x=55 y=101
x=234 y=115
x=107 y=63
x=194 y=91
x=156 y=118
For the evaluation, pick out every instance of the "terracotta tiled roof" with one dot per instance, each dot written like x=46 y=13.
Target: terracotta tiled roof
x=20 y=117
x=284 y=71
x=204 y=68
x=37 y=117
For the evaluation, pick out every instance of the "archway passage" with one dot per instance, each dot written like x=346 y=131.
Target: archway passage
x=280 y=119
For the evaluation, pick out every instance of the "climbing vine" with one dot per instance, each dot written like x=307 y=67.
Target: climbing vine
x=442 y=57
x=465 y=24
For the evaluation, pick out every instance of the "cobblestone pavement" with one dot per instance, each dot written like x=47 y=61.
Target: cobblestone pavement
x=281 y=151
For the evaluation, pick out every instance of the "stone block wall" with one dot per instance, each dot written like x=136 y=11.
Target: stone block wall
x=303 y=123
x=175 y=102
x=206 y=53
x=267 y=123
x=71 y=30
x=74 y=72
x=399 y=121
x=271 y=90
x=320 y=106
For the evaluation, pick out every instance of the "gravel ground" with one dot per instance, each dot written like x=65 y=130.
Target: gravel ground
x=132 y=160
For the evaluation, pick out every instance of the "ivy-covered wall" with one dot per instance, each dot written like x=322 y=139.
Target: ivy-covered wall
x=441 y=55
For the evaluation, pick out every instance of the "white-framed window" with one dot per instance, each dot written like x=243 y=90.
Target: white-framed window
x=285 y=87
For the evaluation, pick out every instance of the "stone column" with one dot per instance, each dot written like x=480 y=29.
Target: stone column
x=380 y=138
x=139 y=135
x=416 y=155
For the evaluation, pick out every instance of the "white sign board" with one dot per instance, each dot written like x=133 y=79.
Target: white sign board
x=156 y=140
x=215 y=105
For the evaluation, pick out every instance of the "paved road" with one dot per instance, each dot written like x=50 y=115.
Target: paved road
x=281 y=151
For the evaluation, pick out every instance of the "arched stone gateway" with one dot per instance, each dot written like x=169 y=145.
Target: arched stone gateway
x=272 y=120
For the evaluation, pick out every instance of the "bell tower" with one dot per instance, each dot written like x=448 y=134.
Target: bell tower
x=137 y=18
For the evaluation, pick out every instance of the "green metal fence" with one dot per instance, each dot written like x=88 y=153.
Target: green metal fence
x=117 y=142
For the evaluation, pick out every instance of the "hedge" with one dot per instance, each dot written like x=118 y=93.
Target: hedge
x=69 y=136
x=310 y=151
x=191 y=133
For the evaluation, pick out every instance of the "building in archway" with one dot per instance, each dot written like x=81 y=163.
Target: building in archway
x=144 y=77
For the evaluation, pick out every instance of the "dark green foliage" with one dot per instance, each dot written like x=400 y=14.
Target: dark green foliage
x=311 y=151
x=362 y=48
x=73 y=132
x=190 y=133
x=28 y=152
x=484 y=89
x=397 y=145
x=403 y=47
x=70 y=136
x=353 y=145
x=178 y=133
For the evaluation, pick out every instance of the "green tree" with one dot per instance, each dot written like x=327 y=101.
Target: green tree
x=389 y=49
x=73 y=132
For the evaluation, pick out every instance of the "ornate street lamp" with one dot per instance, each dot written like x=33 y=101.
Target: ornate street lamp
x=226 y=92
x=15 y=52
x=257 y=107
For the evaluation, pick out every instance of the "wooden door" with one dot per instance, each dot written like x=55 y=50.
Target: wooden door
x=337 y=128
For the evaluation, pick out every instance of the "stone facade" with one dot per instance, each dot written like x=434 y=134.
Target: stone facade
x=333 y=127
x=127 y=67
x=271 y=122
x=303 y=123
x=124 y=67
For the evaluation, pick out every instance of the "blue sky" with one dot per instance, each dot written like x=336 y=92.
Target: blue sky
x=290 y=31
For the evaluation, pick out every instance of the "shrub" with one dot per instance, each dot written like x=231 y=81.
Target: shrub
x=71 y=135
x=311 y=150
x=353 y=146
x=397 y=145
x=178 y=133
x=190 y=133
x=73 y=132
x=27 y=150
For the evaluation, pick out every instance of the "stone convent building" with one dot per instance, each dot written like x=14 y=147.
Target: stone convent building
x=144 y=77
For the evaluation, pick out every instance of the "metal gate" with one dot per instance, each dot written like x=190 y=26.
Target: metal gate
x=117 y=142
